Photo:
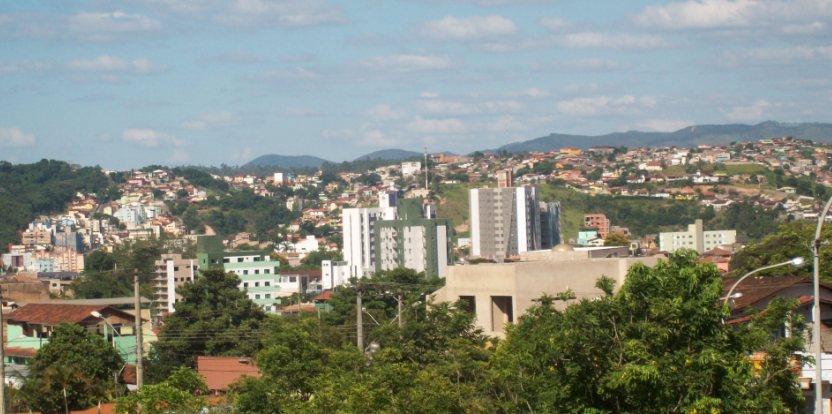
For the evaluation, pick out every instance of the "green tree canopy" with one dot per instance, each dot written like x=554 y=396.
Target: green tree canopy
x=657 y=346
x=616 y=239
x=213 y=318
x=72 y=358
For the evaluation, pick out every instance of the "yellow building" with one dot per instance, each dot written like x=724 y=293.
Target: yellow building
x=570 y=151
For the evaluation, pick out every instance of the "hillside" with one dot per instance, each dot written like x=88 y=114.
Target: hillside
x=390 y=154
x=286 y=161
x=693 y=135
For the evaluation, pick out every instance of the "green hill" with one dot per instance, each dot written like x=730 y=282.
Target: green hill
x=286 y=161
x=692 y=135
x=390 y=154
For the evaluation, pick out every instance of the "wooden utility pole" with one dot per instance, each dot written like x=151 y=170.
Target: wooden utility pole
x=399 y=299
x=359 y=323
x=139 y=342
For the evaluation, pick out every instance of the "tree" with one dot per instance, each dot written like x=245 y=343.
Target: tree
x=791 y=240
x=214 y=318
x=181 y=392
x=659 y=345
x=63 y=366
x=616 y=239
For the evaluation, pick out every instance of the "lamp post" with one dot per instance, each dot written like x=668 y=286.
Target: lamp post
x=816 y=310
x=797 y=263
x=98 y=315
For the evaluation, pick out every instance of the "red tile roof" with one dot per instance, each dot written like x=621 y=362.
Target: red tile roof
x=219 y=372
x=52 y=314
x=16 y=351
x=323 y=296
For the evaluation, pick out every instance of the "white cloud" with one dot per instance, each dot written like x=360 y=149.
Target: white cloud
x=23 y=67
x=491 y=3
x=383 y=112
x=435 y=107
x=437 y=126
x=114 y=64
x=105 y=137
x=467 y=29
x=429 y=95
x=506 y=123
x=374 y=137
x=211 y=121
x=110 y=26
x=14 y=137
x=581 y=65
x=179 y=156
x=596 y=40
x=664 y=125
x=753 y=112
x=774 y=56
x=554 y=23
x=299 y=112
x=237 y=56
x=243 y=155
x=343 y=133
x=283 y=13
x=151 y=139
x=535 y=93
x=88 y=27
x=794 y=15
x=407 y=63
x=183 y=6
x=605 y=105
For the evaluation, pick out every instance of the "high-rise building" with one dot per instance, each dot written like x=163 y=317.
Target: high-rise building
x=696 y=238
x=170 y=272
x=505 y=179
x=358 y=232
x=551 y=233
x=504 y=221
x=255 y=268
x=414 y=240
x=598 y=221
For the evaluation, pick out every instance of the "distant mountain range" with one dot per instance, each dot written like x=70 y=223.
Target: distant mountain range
x=390 y=154
x=287 y=161
x=692 y=135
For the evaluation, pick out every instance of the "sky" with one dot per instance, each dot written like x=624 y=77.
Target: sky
x=128 y=83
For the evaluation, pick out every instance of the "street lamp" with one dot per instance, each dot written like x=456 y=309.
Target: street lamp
x=98 y=315
x=797 y=263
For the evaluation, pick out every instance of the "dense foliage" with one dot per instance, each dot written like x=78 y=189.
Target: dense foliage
x=214 y=318
x=45 y=187
x=65 y=369
x=791 y=240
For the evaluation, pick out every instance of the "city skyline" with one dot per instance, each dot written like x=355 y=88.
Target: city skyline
x=129 y=83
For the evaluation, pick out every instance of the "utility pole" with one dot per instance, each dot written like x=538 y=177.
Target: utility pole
x=399 y=299
x=359 y=323
x=2 y=359
x=139 y=342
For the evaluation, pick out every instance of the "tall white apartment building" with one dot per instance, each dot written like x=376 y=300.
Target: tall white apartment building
x=358 y=233
x=411 y=168
x=504 y=221
x=170 y=272
x=696 y=238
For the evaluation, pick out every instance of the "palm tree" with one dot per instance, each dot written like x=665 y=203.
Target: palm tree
x=63 y=376
x=22 y=397
x=102 y=391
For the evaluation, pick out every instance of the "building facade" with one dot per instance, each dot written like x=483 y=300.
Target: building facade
x=696 y=238
x=411 y=168
x=504 y=221
x=170 y=272
x=359 y=233
x=414 y=240
x=551 y=233
x=598 y=221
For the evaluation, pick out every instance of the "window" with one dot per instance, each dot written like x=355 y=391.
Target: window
x=176 y=268
x=267 y=283
x=268 y=295
x=245 y=285
x=256 y=259
x=214 y=261
x=245 y=272
x=256 y=296
x=256 y=271
x=256 y=284
x=225 y=260
x=266 y=271
x=293 y=279
x=239 y=260
x=502 y=312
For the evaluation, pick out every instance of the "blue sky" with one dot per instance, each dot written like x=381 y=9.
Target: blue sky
x=128 y=83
